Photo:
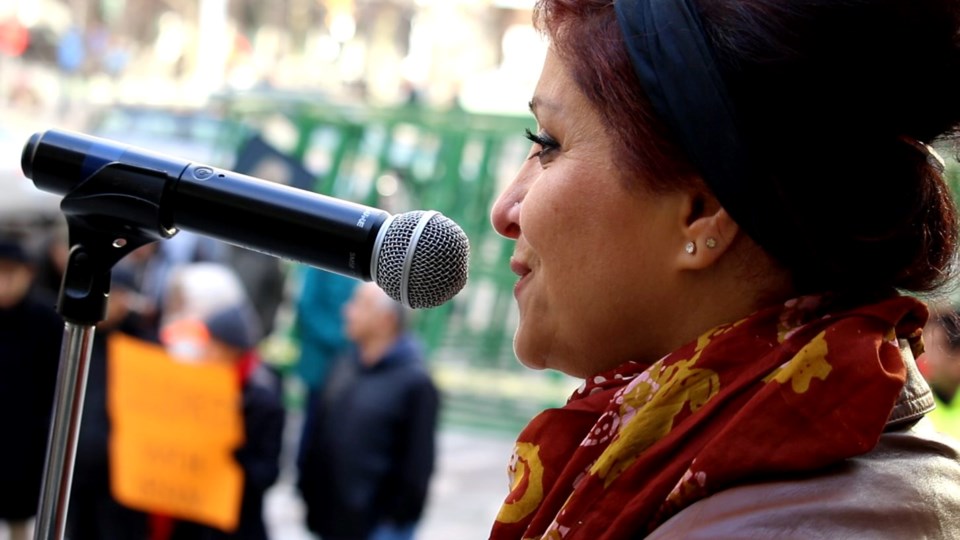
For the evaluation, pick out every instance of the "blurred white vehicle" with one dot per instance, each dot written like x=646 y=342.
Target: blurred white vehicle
x=20 y=201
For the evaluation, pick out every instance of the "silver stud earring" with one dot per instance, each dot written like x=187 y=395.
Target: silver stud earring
x=711 y=242
x=690 y=248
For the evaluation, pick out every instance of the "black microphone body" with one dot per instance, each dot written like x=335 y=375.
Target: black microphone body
x=279 y=220
x=275 y=219
x=252 y=213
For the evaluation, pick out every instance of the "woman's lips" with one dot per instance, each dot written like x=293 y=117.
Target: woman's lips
x=521 y=270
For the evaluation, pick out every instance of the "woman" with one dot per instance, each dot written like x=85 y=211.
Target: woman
x=721 y=203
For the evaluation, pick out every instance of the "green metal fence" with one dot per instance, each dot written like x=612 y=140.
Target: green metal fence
x=453 y=161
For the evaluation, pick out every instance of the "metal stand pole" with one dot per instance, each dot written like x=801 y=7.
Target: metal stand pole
x=65 y=429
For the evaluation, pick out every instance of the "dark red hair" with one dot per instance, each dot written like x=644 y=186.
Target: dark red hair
x=828 y=91
x=585 y=35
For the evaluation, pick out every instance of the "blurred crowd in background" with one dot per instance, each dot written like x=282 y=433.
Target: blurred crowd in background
x=365 y=451
x=397 y=104
x=479 y=52
x=167 y=76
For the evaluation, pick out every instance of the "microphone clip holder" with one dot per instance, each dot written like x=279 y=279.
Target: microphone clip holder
x=108 y=216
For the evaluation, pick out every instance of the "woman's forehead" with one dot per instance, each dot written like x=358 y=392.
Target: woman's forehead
x=558 y=97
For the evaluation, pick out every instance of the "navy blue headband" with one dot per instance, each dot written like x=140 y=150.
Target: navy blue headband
x=677 y=70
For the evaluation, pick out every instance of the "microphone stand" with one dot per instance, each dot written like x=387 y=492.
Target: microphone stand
x=106 y=219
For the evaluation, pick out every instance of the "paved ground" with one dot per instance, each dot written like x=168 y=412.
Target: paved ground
x=467 y=488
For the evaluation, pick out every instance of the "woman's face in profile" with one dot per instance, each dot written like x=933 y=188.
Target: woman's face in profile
x=593 y=247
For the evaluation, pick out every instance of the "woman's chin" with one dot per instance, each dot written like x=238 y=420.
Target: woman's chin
x=527 y=355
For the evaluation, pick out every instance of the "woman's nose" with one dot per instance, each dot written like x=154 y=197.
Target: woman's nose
x=505 y=215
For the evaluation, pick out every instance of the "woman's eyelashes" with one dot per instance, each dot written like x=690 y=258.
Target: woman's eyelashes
x=546 y=143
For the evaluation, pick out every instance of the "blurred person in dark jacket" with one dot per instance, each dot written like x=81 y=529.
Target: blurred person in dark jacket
x=366 y=465
x=234 y=332
x=51 y=260
x=30 y=336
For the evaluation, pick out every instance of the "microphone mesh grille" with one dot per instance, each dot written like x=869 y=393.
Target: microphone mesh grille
x=440 y=260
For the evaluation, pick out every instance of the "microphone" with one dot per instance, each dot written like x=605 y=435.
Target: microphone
x=418 y=258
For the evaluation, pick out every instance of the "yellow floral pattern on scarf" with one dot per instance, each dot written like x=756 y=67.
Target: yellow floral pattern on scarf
x=525 y=467
x=650 y=403
x=809 y=362
x=641 y=442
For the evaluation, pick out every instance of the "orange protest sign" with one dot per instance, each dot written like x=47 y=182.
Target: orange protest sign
x=174 y=427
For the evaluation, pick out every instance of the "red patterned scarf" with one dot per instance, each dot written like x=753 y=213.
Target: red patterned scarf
x=788 y=389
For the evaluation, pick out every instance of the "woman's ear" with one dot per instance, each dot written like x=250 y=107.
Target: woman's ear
x=708 y=230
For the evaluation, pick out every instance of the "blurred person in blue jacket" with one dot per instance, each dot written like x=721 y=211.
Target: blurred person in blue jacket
x=366 y=466
x=319 y=323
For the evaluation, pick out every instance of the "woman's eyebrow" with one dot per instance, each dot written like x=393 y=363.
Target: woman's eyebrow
x=539 y=103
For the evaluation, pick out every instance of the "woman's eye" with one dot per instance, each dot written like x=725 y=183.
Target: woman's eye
x=546 y=143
